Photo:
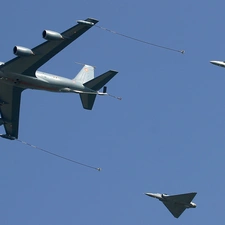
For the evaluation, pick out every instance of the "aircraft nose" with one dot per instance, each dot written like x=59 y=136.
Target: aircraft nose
x=218 y=63
x=151 y=195
x=148 y=194
x=214 y=62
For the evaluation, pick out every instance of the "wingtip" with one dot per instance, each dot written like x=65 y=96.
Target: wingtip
x=114 y=71
x=92 y=20
x=88 y=22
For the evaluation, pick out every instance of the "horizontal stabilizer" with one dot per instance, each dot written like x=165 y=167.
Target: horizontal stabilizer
x=98 y=82
x=87 y=100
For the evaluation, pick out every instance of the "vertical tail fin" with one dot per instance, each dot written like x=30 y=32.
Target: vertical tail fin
x=86 y=74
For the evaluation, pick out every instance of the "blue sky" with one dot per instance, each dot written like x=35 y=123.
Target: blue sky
x=167 y=135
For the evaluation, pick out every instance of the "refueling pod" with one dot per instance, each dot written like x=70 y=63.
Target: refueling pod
x=22 y=51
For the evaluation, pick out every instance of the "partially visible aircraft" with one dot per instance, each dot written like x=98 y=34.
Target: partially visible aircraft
x=176 y=204
x=218 y=63
x=21 y=73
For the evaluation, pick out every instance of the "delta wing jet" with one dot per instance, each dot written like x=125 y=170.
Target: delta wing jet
x=176 y=204
x=21 y=73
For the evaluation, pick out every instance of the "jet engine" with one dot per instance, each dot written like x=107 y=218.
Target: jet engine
x=22 y=51
x=51 y=35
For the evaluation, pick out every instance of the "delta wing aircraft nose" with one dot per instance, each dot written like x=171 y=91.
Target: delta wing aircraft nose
x=149 y=194
x=218 y=63
x=153 y=195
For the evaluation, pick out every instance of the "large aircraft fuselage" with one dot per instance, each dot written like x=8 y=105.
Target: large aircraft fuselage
x=44 y=81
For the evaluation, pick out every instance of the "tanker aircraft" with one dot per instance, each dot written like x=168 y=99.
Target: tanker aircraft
x=176 y=204
x=21 y=73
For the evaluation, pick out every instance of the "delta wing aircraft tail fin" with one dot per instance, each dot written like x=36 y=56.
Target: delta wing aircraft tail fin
x=95 y=84
x=85 y=74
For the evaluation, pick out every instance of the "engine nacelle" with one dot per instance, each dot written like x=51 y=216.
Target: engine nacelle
x=51 y=35
x=22 y=51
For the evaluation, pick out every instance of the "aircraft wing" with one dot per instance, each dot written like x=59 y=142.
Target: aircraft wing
x=28 y=65
x=183 y=198
x=10 y=108
x=174 y=208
